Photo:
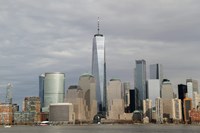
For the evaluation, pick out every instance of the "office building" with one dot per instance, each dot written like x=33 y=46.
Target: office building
x=31 y=104
x=159 y=110
x=126 y=95
x=75 y=96
x=88 y=84
x=52 y=88
x=196 y=100
x=177 y=110
x=168 y=111
x=114 y=99
x=65 y=113
x=192 y=86
x=140 y=82
x=99 y=70
x=187 y=106
x=167 y=90
x=153 y=86
x=41 y=90
x=147 y=108
x=182 y=92
x=6 y=114
x=156 y=72
x=133 y=100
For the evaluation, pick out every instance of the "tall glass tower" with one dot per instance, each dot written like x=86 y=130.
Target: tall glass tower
x=99 y=70
x=140 y=82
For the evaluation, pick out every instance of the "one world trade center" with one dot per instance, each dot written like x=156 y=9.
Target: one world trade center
x=99 y=70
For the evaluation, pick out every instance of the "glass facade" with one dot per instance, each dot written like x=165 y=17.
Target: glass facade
x=156 y=72
x=99 y=70
x=52 y=88
x=140 y=81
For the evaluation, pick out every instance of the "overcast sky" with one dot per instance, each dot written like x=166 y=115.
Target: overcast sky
x=38 y=36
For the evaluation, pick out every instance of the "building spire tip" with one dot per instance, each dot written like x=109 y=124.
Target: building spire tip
x=98 y=25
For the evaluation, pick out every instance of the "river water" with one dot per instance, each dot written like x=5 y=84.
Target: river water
x=104 y=129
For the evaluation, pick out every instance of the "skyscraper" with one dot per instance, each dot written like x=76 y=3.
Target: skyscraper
x=167 y=90
x=99 y=69
x=192 y=86
x=52 y=86
x=156 y=72
x=88 y=84
x=140 y=82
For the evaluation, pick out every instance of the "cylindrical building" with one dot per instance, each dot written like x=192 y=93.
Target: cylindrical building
x=54 y=88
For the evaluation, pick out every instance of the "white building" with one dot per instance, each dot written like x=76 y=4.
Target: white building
x=154 y=89
x=61 y=112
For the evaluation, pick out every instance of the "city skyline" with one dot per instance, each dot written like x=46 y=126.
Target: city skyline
x=35 y=39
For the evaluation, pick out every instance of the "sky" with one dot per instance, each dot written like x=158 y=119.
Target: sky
x=38 y=36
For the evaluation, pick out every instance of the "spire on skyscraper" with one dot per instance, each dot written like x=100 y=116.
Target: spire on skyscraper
x=98 y=34
x=98 y=25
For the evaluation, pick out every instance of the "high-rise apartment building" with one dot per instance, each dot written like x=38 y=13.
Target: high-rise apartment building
x=52 y=89
x=140 y=82
x=99 y=69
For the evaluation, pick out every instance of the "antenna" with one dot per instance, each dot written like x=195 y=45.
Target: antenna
x=98 y=25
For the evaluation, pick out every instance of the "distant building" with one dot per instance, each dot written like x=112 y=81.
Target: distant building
x=65 y=113
x=31 y=104
x=140 y=82
x=126 y=95
x=195 y=116
x=168 y=110
x=159 y=110
x=182 y=92
x=167 y=90
x=114 y=98
x=154 y=89
x=196 y=100
x=6 y=114
x=147 y=108
x=192 y=86
x=156 y=72
x=75 y=95
x=187 y=105
x=52 y=86
x=177 y=110
x=133 y=100
x=88 y=84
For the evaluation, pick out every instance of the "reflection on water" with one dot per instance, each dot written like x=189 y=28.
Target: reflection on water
x=103 y=129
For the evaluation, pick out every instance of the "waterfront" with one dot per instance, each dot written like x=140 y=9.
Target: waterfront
x=103 y=129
